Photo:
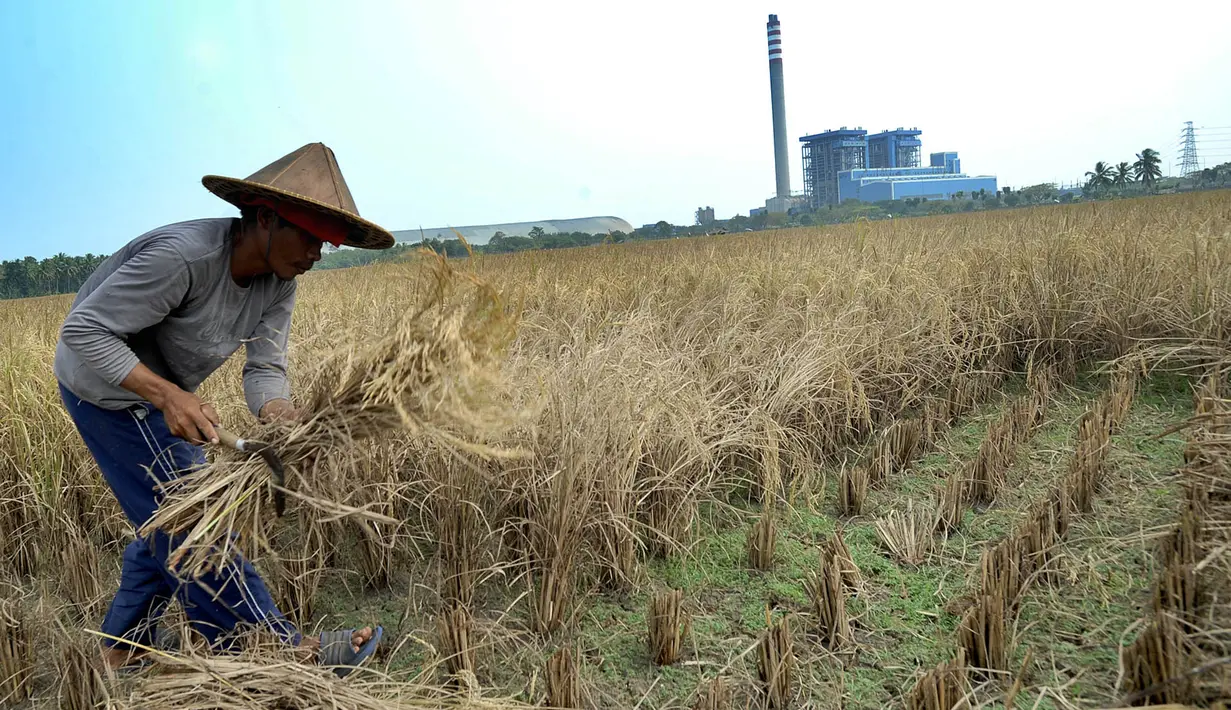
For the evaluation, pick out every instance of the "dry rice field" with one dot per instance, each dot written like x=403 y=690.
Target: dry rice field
x=971 y=461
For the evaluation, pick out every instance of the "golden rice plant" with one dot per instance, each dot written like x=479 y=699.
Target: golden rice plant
x=669 y=624
x=1184 y=544
x=908 y=535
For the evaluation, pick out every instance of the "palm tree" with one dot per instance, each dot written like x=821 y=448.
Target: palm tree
x=1123 y=175
x=1147 y=167
x=1100 y=177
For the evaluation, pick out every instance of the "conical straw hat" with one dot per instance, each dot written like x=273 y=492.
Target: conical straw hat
x=309 y=177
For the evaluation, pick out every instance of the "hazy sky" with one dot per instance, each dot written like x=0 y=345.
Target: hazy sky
x=472 y=112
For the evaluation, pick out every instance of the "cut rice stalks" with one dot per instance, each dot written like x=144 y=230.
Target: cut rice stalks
x=776 y=664
x=669 y=625
x=433 y=375
x=909 y=535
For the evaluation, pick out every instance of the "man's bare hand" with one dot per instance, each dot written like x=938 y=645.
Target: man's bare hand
x=189 y=418
x=280 y=410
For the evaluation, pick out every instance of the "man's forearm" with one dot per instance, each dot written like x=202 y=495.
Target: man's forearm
x=145 y=383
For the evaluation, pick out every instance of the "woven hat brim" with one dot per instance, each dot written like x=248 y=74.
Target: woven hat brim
x=361 y=233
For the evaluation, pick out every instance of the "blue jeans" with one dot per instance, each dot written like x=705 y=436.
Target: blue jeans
x=137 y=454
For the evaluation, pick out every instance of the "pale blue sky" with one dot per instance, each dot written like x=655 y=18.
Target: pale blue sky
x=472 y=112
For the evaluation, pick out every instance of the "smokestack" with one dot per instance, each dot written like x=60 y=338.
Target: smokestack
x=777 y=99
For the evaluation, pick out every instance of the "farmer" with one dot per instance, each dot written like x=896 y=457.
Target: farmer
x=148 y=327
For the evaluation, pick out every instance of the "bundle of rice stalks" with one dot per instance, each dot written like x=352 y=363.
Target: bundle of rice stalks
x=951 y=502
x=266 y=678
x=434 y=375
x=776 y=664
x=460 y=533
x=826 y=589
x=1062 y=505
x=853 y=489
x=1120 y=397
x=457 y=643
x=1184 y=545
x=668 y=514
x=834 y=546
x=669 y=624
x=1028 y=413
x=1175 y=591
x=559 y=518
x=1208 y=395
x=763 y=541
x=986 y=472
x=1086 y=467
x=982 y=635
x=1000 y=572
x=945 y=687
x=74 y=557
x=713 y=695
x=894 y=449
x=18 y=651
x=555 y=584
x=375 y=547
x=298 y=570
x=936 y=420
x=18 y=532
x=564 y=679
x=81 y=686
x=908 y=536
x=1036 y=540
x=1153 y=666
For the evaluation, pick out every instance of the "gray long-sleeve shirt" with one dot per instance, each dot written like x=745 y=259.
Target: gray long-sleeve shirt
x=167 y=300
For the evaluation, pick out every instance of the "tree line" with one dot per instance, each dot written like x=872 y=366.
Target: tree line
x=1145 y=172
x=28 y=277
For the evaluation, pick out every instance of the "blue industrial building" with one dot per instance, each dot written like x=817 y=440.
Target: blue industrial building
x=849 y=164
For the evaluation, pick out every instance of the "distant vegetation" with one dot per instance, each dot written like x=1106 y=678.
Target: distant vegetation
x=23 y=278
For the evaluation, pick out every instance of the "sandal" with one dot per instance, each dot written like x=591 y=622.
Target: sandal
x=337 y=653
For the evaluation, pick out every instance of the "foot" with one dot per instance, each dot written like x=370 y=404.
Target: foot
x=116 y=657
x=311 y=645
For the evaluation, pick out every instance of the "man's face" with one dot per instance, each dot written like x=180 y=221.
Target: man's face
x=292 y=250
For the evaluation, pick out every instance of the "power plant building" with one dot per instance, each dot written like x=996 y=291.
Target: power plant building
x=848 y=164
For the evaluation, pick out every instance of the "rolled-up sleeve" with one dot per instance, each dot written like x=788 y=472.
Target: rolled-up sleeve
x=137 y=295
x=265 y=371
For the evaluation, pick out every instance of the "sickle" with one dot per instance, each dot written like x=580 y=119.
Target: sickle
x=267 y=453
